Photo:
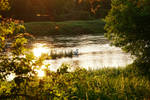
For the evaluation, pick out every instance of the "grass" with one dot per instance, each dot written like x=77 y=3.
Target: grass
x=104 y=84
x=65 y=28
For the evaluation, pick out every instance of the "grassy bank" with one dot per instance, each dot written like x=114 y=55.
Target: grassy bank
x=66 y=27
x=104 y=84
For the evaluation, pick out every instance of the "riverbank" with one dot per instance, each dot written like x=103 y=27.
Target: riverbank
x=124 y=83
x=65 y=28
x=104 y=84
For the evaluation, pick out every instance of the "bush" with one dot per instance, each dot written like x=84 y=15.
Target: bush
x=128 y=27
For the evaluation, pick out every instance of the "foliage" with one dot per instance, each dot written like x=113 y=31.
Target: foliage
x=105 y=84
x=128 y=27
x=17 y=63
x=100 y=8
x=4 y=5
x=16 y=60
x=57 y=10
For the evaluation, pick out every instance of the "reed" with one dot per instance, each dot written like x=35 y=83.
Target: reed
x=55 y=54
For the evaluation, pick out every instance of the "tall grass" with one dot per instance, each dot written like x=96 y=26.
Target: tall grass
x=54 y=54
x=103 y=84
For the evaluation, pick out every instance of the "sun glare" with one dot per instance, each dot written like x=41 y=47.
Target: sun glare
x=39 y=50
x=40 y=73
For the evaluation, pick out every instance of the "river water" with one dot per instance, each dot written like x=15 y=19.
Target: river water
x=94 y=51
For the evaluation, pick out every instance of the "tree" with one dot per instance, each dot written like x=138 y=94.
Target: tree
x=15 y=58
x=128 y=27
x=4 y=5
x=57 y=10
x=100 y=8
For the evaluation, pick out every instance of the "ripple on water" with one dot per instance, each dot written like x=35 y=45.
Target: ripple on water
x=94 y=52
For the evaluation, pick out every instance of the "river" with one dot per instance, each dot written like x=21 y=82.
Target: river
x=94 y=51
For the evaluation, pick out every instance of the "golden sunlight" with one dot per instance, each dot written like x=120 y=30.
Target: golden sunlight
x=39 y=50
x=40 y=73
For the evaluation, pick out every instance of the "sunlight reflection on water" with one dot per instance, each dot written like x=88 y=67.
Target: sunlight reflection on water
x=40 y=49
x=94 y=52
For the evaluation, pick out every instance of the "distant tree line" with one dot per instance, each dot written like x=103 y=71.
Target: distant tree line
x=57 y=10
